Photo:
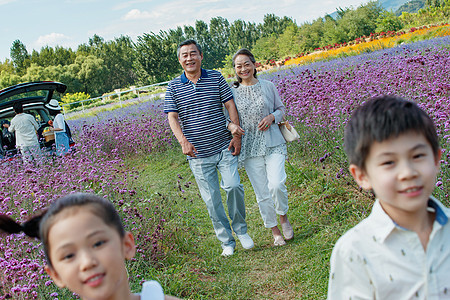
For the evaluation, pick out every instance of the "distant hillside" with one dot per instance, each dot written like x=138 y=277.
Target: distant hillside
x=412 y=6
x=389 y=5
x=392 y=5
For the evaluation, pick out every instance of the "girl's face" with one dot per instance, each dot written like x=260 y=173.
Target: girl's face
x=88 y=256
x=244 y=67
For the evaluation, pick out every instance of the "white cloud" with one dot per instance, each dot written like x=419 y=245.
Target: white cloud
x=136 y=14
x=52 y=39
x=3 y=2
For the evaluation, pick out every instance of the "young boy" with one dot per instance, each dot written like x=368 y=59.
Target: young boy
x=402 y=250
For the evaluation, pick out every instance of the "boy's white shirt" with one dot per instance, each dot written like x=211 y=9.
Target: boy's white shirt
x=378 y=259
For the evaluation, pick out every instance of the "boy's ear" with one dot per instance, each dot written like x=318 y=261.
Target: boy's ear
x=437 y=158
x=129 y=247
x=54 y=275
x=360 y=177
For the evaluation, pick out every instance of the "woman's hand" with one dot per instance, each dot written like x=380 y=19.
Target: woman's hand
x=235 y=130
x=266 y=122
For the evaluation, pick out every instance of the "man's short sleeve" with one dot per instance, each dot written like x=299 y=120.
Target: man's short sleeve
x=169 y=99
x=225 y=90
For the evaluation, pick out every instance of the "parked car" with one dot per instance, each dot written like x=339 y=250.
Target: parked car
x=33 y=96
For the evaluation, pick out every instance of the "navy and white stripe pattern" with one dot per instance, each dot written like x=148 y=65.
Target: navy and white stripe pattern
x=200 y=109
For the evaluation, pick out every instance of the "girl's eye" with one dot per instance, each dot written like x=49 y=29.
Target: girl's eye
x=68 y=256
x=99 y=243
x=387 y=163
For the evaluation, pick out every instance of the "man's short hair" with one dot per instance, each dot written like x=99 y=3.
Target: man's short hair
x=382 y=118
x=189 y=42
x=18 y=107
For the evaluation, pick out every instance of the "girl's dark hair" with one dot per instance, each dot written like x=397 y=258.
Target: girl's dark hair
x=40 y=225
x=246 y=52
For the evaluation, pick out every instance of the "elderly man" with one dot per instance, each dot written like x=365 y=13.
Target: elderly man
x=196 y=99
x=25 y=126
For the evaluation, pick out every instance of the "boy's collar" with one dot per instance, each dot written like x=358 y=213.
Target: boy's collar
x=437 y=206
x=184 y=79
x=387 y=225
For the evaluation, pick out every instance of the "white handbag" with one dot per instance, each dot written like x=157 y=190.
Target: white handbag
x=288 y=131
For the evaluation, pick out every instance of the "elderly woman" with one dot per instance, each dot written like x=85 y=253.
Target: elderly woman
x=263 y=150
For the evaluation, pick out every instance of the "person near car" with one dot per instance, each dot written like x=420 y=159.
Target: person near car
x=61 y=137
x=24 y=126
x=194 y=104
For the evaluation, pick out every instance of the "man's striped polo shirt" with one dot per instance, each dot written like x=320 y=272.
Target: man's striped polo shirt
x=200 y=109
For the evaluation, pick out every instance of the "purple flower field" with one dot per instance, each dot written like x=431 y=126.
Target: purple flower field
x=97 y=165
x=320 y=97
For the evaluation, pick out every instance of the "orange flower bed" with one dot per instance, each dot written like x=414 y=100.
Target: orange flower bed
x=371 y=43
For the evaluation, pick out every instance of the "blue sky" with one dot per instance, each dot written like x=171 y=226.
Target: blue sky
x=69 y=23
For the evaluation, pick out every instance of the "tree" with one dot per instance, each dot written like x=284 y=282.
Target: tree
x=8 y=79
x=311 y=34
x=388 y=21
x=89 y=71
x=19 y=56
x=266 y=48
x=7 y=66
x=118 y=57
x=360 y=22
x=332 y=35
x=242 y=35
x=156 y=57
x=219 y=32
x=273 y=25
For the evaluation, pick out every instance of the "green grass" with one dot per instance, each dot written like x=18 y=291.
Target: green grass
x=193 y=268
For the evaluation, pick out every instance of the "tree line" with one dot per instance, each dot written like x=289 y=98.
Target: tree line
x=100 y=66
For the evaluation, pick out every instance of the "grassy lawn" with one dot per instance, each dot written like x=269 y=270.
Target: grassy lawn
x=192 y=267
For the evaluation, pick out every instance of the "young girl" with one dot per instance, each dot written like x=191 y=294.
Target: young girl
x=86 y=246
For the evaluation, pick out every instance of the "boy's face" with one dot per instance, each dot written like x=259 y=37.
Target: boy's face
x=88 y=256
x=402 y=173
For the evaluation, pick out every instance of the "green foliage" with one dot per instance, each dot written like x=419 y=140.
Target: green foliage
x=75 y=97
x=388 y=21
x=157 y=59
x=8 y=79
x=360 y=22
x=100 y=66
x=19 y=56
x=428 y=15
x=266 y=48
x=242 y=35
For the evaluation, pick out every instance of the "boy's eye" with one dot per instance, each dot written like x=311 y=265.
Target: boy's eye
x=419 y=155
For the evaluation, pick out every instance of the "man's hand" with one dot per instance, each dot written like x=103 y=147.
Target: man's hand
x=235 y=130
x=188 y=149
x=235 y=145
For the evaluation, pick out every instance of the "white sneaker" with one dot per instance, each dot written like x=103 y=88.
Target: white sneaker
x=227 y=251
x=279 y=241
x=246 y=241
